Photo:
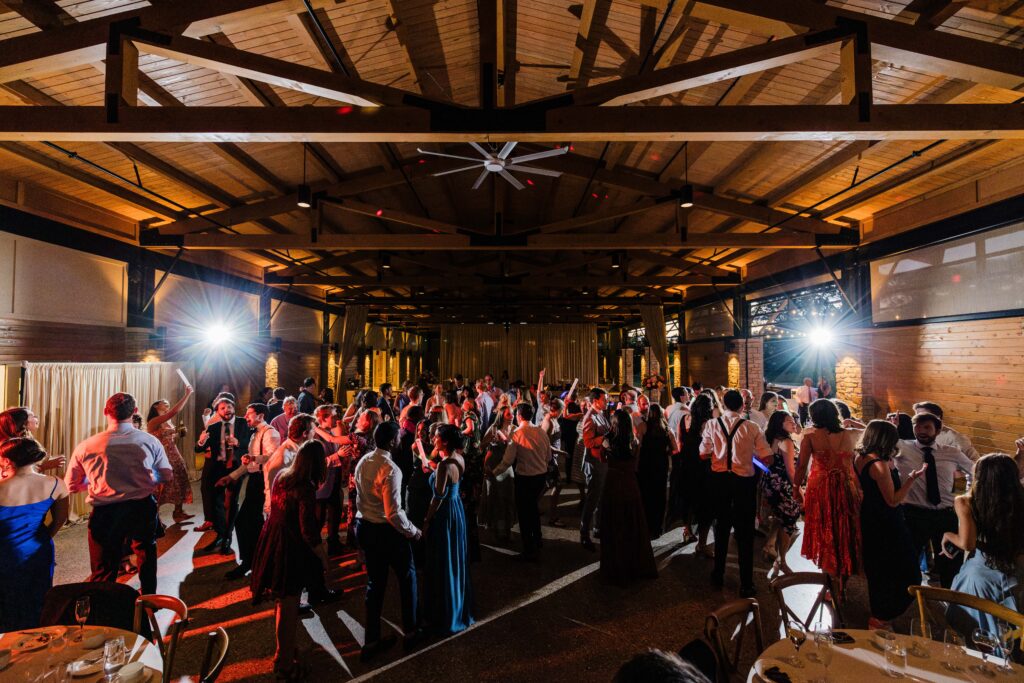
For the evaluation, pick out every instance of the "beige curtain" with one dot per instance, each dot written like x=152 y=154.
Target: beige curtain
x=565 y=351
x=352 y=333
x=654 y=328
x=69 y=400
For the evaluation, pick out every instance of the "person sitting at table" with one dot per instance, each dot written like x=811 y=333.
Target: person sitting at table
x=991 y=520
x=26 y=539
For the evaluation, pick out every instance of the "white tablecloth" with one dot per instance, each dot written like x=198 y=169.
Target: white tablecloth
x=26 y=665
x=863 y=662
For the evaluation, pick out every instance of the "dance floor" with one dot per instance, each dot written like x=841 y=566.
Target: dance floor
x=535 y=622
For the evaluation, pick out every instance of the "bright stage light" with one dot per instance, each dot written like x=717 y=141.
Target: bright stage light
x=821 y=337
x=217 y=335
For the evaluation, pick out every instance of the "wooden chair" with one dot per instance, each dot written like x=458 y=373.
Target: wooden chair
x=931 y=594
x=147 y=606
x=727 y=626
x=217 y=645
x=824 y=600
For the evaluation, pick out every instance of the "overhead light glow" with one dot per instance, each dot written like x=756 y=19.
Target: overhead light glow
x=217 y=334
x=822 y=337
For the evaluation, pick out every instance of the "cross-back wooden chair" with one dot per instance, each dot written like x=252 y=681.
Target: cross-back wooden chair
x=217 y=645
x=933 y=602
x=824 y=600
x=726 y=629
x=146 y=607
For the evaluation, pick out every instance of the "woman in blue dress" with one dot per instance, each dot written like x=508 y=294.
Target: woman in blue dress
x=449 y=593
x=26 y=540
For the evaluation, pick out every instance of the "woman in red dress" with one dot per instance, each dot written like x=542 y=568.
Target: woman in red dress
x=832 y=498
x=159 y=423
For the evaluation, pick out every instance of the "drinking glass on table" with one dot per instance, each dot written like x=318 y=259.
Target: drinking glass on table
x=82 y=606
x=921 y=636
x=987 y=644
x=953 y=649
x=1007 y=644
x=896 y=658
x=114 y=656
x=797 y=636
x=823 y=647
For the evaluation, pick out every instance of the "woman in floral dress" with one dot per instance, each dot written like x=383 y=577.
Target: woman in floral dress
x=159 y=423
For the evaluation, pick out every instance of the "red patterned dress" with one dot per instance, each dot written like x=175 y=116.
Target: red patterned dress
x=179 y=490
x=831 y=508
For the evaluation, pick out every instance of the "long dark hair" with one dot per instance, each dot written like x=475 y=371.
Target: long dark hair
x=14 y=422
x=880 y=438
x=153 y=411
x=701 y=410
x=621 y=437
x=825 y=415
x=656 y=425
x=765 y=397
x=997 y=505
x=775 y=428
x=309 y=468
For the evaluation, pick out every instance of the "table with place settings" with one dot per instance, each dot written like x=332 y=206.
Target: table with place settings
x=33 y=654
x=864 y=661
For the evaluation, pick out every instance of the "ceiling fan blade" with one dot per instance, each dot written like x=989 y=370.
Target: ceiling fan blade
x=480 y=179
x=539 y=155
x=446 y=156
x=507 y=149
x=511 y=179
x=533 y=169
x=484 y=152
x=458 y=170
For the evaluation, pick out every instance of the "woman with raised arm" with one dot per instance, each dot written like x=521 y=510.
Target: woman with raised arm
x=178 y=491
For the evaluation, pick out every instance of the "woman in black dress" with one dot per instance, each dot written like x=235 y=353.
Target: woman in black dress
x=626 y=552
x=888 y=550
x=657 y=445
x=290 y=555
x=690 y=500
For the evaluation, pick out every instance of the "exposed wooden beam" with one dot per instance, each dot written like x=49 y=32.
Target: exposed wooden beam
x=43 y=13
x=608 y=304
x=404 y=124
x=441 y=282
x=508 y=64
x=63 y=48
x=395 y=242
x=600 y=216
x=701 y=72
x=933 y=52
x=585 y=46
x=391 y=215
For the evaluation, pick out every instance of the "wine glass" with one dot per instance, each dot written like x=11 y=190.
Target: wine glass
x=113 y=657
x=1007 y=644
x=82 y=607
x=987 y=644
x=921 y=635
x=797 y=636
x=953 y=649
x=823 y=648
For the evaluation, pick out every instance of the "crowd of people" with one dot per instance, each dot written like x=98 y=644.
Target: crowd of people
x=410 y=477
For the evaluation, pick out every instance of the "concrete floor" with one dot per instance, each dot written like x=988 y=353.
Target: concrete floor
x=549 y=621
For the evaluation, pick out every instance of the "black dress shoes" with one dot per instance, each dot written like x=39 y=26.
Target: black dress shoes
x=371 y=650
x=213 y=545
x=225 y=548
x=588 y=545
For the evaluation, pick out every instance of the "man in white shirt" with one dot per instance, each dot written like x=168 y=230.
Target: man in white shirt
x=120 y=468
x=805 y=394
x=263 y=441
x=484 y=405
x=529 y=450
x=948 y=436
x=384 y=534
x=677 y=412
x=732 y=443
x=929 y=509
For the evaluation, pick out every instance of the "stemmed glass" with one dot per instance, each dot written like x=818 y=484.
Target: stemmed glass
x=82 y=607
x=797 y=636
x=823 y=646
x=953 y=649
x=987 y=644
x=1007 y=644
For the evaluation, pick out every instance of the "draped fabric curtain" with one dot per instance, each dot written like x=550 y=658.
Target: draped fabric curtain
x=352 y=332
x=654 y=328
x=69 y=400
x=564 y=351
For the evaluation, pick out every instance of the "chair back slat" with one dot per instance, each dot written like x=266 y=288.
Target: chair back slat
x=217 y=645
x=726 y=629
x=146 y=608
x=927 y=596
x=823 y=600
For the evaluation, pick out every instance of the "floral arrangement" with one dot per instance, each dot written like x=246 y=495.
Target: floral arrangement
x=653 y=381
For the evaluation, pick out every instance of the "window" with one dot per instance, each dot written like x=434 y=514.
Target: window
x=794 y=314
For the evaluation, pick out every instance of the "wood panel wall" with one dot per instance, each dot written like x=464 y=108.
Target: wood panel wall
x=44 y=341
x=295 y=362
x=707 y=363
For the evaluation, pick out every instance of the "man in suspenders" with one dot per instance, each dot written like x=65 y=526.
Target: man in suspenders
x=249 y=521
x=732 y=443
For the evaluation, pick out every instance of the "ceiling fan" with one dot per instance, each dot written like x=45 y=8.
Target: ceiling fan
x=500 y=163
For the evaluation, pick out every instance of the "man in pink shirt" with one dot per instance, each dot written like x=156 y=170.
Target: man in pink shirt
x=732 y=443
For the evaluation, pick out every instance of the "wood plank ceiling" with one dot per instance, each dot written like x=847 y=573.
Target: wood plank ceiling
x=451 y=252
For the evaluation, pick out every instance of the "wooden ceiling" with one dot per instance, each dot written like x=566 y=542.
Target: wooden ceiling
x=790 y=120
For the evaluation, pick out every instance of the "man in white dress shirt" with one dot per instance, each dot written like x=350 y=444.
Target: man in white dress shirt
x=948 y=436
x=805 y=394
x=384 y=534
x=677 y=412
x=732 y=443
x=529 y=450
x=929 y=509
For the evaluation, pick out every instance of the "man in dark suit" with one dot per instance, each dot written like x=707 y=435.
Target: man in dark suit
x=224 y=441
x=306 y=397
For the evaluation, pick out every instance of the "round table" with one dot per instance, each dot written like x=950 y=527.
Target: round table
x=863 y=661
x=26 y=666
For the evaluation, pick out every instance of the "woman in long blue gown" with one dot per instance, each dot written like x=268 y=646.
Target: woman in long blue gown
x=449 y=593
x=26 y=540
